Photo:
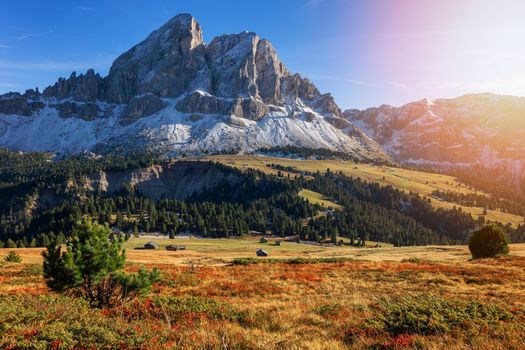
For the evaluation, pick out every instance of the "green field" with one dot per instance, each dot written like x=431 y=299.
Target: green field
x=407 y=180
x=318 y=198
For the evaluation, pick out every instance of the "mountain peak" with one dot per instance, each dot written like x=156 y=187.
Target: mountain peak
x=173 y=92
x=183 y=25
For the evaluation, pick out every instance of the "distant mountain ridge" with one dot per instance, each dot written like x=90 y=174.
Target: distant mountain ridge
x=476 y=129
x=173 y=93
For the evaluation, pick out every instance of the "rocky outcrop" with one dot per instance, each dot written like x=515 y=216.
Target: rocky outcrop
x=140 y=107
x=15 y=103
x=85 y=88
x=248 y=108
x=243 y=65
x=177 y=180
x=199 y=102
x=339 y=123
x=326 y=105
x=168 y=63
x=85 y=111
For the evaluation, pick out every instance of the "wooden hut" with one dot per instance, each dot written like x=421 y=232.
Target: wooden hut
x=151 y=245
x=261 y=252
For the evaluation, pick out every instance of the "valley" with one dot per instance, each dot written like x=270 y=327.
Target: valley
x=201 y=195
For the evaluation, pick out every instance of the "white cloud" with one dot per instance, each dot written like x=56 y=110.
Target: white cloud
x=348 y=80
x=33 y=35
x=397 y=84
x=85 y=8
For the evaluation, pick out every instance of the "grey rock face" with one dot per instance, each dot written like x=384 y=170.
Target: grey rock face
x=17 y=104
x=339 y=123
x=85 y=111
x=86 y=87
x=198 y=102
x=241 y=71
x=177 y=180
x=249 y=108
x=243 y=65
x=237 y=75
x=140 y=107
x=294 y=86
x=325 y=104
x=168 y=63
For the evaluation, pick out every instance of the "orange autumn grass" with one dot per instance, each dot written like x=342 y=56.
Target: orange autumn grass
x=342 y=305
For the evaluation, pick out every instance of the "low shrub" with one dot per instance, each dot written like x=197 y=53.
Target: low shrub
x=328 y=309
x=173 y=309
x=39 y=322
x=13 y=257
x=487 y=242
x=31 y=270
x=432 y=315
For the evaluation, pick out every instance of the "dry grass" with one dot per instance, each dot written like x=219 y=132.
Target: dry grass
x=306 y=306
x=420 y=182
x=318 y=198
x=221 y=252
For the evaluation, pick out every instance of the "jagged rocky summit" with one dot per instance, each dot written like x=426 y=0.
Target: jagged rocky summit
x=475 y=130
x=174 y=93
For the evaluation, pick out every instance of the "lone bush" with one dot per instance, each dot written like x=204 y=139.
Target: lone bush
x=488 y=241
x=13 y=257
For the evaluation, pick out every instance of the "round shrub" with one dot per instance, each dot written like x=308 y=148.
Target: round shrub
x=488 y=241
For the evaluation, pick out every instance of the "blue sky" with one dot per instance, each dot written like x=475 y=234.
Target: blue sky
x=364 y=52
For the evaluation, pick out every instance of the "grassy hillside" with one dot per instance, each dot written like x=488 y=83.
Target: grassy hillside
x=408 y=180
x=428 y=298
x=318 y=198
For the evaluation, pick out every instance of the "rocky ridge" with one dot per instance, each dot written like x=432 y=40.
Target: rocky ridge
x=485 y=130
x=175 y=93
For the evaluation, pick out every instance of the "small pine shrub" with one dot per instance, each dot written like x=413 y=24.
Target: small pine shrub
x=13 y=257
x=487 y=242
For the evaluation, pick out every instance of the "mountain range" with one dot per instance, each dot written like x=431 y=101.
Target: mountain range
x=476 y=130
x=176 y=94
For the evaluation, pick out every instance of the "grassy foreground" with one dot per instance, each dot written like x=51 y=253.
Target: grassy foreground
x=421 y=298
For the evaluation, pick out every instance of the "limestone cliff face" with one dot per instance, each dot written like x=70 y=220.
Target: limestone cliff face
x=168 y=63
x=174 y=93
x=177 y=180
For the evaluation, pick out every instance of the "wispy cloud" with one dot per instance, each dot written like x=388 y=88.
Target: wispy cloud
x=8 y=85
x=5 y=47
x=348 y=80
x=397 y=84
x=33 y=35
x=85 y=8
